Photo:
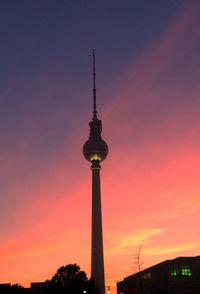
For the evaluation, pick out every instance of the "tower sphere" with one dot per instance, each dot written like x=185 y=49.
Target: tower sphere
x=95 y=149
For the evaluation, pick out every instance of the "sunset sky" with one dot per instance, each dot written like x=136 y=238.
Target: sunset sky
x=148 y=97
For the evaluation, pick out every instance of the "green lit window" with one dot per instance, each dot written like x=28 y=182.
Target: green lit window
x=186 y=270
x=174 y=272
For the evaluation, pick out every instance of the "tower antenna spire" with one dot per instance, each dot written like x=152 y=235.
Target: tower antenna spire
x=94 y=88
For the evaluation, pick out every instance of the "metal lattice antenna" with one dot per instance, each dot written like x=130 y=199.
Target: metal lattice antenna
x=94 y=88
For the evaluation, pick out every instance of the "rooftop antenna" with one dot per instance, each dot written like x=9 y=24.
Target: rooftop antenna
x=94 y=88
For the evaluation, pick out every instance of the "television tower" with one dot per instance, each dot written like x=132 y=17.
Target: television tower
x=95 y=150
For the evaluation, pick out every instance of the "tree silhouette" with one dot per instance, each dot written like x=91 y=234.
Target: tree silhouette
x=139 y=264
x=70 y=280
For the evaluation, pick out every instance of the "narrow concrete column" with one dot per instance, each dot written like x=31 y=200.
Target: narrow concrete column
x=97 y=260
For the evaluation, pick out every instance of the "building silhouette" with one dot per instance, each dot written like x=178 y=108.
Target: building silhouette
x=95 y=150
x=177 y=276
x=35 y=288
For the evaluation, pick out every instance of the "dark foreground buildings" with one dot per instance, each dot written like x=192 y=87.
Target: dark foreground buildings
x=177 y=276
x=35 y=288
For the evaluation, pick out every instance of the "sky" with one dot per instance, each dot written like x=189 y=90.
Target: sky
x=148 y=97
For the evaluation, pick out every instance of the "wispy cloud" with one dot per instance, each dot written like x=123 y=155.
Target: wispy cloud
x=175 y=249
x=121 y=242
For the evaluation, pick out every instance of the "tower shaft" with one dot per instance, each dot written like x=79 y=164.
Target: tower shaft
x=97 y=259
